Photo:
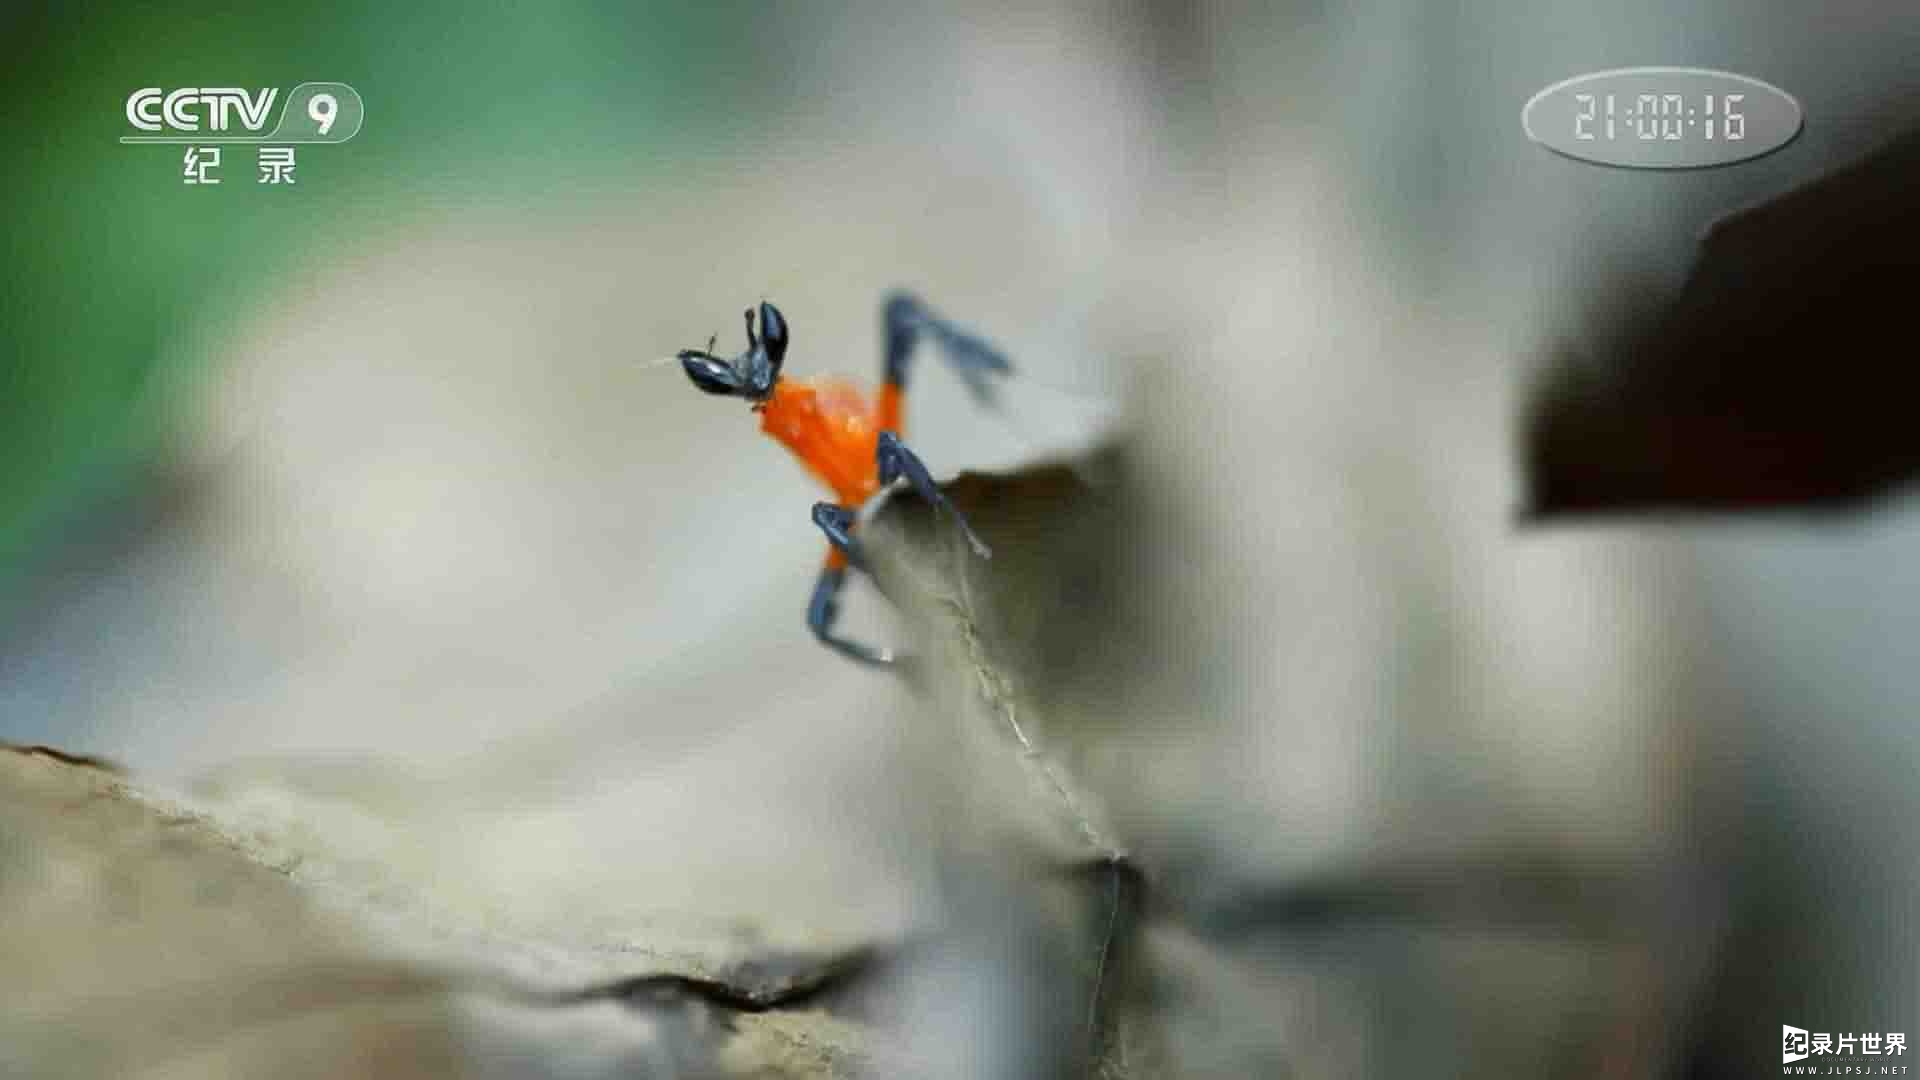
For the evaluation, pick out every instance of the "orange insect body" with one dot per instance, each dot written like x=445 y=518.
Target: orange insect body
x=838 y=433
x=830 y=427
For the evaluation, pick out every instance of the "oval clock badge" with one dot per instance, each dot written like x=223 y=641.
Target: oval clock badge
x=1662 y=118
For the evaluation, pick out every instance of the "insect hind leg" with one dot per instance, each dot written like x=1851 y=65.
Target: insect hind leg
x=905 y=319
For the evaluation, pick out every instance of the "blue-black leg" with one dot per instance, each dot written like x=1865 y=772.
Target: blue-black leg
x=904 y=320
x=825 y=607
x=897 y=461
x=837 y=522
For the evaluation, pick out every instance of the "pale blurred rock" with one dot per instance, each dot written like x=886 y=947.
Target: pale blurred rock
x=1069 y=686
x=143 y=937
x=138 y=939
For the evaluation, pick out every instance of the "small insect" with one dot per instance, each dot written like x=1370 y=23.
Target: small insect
x=852 y=446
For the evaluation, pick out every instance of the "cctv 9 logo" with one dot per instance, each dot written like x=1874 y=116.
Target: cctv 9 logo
x=312 y=112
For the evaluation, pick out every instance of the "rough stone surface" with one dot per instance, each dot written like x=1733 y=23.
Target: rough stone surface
x=146 y=937
x=299 y=917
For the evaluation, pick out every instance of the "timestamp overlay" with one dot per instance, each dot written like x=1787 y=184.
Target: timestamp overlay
x=1662 y=118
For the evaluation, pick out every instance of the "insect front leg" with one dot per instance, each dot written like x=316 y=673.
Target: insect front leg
x=837 y=523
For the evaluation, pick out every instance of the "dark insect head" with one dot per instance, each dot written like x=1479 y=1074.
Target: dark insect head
x=751 y=374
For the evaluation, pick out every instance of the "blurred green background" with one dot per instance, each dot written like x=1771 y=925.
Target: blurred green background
x=118 y=275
